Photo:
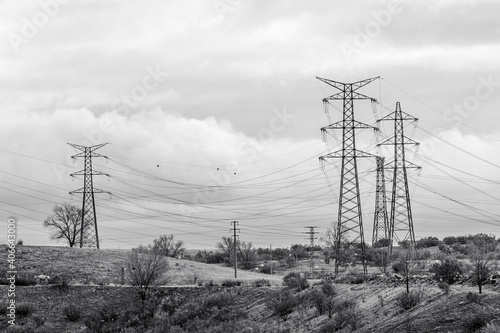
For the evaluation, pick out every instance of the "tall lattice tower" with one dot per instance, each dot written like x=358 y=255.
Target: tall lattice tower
x=380 y=220
x=89 y=235
x=349 y=231
x=401 y=219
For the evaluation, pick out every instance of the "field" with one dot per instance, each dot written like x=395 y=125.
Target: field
x=96 y=290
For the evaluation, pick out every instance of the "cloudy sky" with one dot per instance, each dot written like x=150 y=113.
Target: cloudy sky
x=212 y=111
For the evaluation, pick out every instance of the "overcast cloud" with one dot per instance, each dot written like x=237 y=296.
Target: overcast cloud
x=213 y=111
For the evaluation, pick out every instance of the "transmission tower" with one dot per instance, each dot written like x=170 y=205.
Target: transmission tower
x=311 y=239
x=234 y=224
x=88 y=235
x=380 y=220
x=401 y=220
x=311 y=234
x=350 y=219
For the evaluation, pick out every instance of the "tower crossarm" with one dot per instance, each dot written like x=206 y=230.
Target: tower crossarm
x=406 y=141
x=353 y=95
x=82 y=190
x=354 y=124
x=341 y=86
x=347 y=153
x=392 y=116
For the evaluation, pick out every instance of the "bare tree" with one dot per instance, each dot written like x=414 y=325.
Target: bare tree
x=177 y=248
x=145 y=267
x=226 y=246
x=166 y=245
x=482 y=264
x=248 y=255
x=65 y=223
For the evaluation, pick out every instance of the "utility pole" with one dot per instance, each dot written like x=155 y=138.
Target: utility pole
x=311 y=239
x=88 y=235
x=234 y=224
x=401 y=220
x=350 y=220
x=380 y=220
x=271 y=252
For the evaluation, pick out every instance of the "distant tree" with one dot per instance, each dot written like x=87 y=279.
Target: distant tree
x=384 y=242
x=226 y=246
x=427 y=242
x=280 y=253
x=450 y=240
x=483 y=242
x=145 y=267
x=66 y=223
x=482 y=264
x=168 y=246
x=247 y=255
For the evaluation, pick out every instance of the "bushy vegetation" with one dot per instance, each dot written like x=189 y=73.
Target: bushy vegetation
x=23 y=310
x=409 y=300
x=345 y=315
x=59 y=280
x=261 y=283
x=25 y=279
x=71 y=312
x=444 y=287
x=449 y=270
x=282 y=303
x=295 y=280
x=231 y=283
x=473 y=297
x=476 y=321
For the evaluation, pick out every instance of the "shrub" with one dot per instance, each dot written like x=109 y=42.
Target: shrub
x=328 y=289
x=25 y=280
x=408 y=300
x=60 y=280
x=344 y=318
x=345 y=304
x=231 y=283
x=318 y=299
x=281 y=303
x=295 y=280
x=23 y=310
x=473 y=297
x=219 y=300
x=261 y=283
x=444 y=287
x=71 y=312
x=476 y=321
x=448 y=271
x=266 y=269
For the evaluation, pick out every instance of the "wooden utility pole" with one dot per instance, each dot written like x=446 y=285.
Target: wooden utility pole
x=234 y=224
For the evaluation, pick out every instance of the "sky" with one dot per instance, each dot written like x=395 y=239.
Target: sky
x=212 y=113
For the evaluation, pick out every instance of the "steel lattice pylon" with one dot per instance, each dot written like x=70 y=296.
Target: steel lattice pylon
x=401 y=219
x=380 y=220
x=350 y=219
x=88 y=235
